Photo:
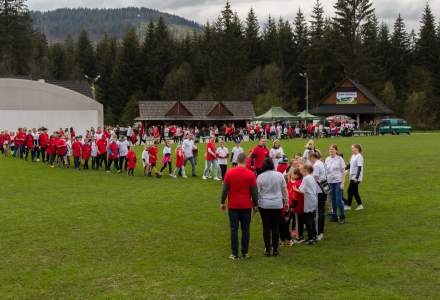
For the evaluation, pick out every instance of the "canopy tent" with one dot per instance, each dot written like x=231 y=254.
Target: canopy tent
x=276 y=114
x=307 y=116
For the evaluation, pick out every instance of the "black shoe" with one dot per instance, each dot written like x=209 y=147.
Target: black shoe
x=311 y=242
x=194 y=175
x=275 y=253
x=267 y=252
x=334 y=220
x=246 y=256
x=342 y=221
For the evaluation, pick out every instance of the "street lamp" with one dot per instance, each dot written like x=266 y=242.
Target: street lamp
x=306 y=77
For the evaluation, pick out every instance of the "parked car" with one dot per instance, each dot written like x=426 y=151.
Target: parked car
x=394 y=126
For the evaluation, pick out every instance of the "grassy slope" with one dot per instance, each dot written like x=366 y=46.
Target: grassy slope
x=67 y=234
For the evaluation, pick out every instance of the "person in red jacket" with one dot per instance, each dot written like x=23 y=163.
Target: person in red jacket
x=180 y=162
x=102 y=152
x=61 y=151
x=211 y=159
x=43 y=140
x=113 y=154
x=76 y=149
x=19 y=142
x=50 y=151
x=259 y=154
x=86 y=151
x=152 y=158
x=131 y=161
x=29 y=143
x=296 y=203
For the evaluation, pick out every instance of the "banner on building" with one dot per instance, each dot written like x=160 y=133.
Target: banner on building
x=346 y=98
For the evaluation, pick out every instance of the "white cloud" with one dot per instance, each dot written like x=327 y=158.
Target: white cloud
x=207 y=10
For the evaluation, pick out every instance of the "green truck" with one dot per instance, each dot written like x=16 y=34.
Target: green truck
x=394 y=127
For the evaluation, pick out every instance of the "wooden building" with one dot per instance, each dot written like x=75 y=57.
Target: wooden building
x=199 y=113
x=352 y=99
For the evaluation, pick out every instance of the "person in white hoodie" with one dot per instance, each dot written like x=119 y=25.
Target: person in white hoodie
x=272 y=197
x=94 y=153
x=145 y=160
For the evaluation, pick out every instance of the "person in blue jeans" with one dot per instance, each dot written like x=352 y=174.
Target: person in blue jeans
x=335 y=170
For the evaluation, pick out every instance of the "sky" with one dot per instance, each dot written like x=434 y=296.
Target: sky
x=208 y=10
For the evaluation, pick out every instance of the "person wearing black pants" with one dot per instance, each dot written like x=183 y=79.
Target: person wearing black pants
x=309 y=221
x=271 y=219
x=322 y=199
x=353 y=191
x=272 y=197
x=240 y=188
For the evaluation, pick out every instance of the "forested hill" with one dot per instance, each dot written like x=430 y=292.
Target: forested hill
x=60 y=23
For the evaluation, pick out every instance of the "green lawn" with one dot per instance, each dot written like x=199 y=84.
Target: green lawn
x=66 y=234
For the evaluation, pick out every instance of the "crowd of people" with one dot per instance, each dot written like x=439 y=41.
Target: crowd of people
x=290 y=194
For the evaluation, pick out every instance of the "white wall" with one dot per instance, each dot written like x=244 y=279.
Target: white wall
x=53 y=120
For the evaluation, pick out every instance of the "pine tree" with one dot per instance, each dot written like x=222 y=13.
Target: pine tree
x=71 y=67
x=427 y=46
x=270 y=42
x=351 y=17
x=105 y=57
x=56 y=66
x=126 y=73
x=252 y=40
x=301 y=42
x=317 y=22
x=15 y=37
x=85 y=55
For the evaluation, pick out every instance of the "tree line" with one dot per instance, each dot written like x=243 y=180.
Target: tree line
x=234 y=59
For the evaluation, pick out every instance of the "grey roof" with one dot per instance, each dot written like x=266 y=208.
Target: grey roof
x=79 y=86
x=157 y=110
x=376 y=106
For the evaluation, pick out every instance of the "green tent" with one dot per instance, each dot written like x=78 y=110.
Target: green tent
x=276 y=114
x=307 y=116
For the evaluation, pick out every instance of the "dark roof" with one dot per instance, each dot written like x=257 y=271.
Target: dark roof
x=199 y=110
x=376 y=106
x=79 y=86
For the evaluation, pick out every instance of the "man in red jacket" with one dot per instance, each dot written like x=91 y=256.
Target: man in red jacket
x=76 y=149
x=211 y=159
x=43 y=141
x=258 y=155
x=102 y=152
x=240 y=187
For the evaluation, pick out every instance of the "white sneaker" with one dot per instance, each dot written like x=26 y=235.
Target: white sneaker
x=204 y=177
x=360 y=207
x=185 y=176
x=216 y=179
x=320 y=237
x=346 y=207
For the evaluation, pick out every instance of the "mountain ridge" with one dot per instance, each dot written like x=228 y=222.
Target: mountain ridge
x=59 y=23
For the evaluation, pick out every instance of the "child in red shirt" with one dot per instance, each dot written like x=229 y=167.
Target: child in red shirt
x=296 y=202
x=180 y=160
x=283 y=164
x=152 y=158
x=86 y=150
x=131 y=161
x=29 y=143
x=102 y=152
x=76 y=149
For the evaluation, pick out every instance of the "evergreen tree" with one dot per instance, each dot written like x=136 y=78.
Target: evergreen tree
x=15 y=37
x=106 y=51
x=72 y=70
x=301 y=41
x=56 y=65
x=126 y=73
x=270 y=42
x=427 y=46
x=85 y=55
x=252 y=40
x=351 y=17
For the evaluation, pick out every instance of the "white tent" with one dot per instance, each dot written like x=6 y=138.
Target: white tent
x=33 y=104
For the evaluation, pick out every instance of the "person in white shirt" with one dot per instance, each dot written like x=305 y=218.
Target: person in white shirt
x=188 y=150
x=145 y=160
x=222 y=154
x=123 y=145
x=166 y=160
x=94 y=153
x=236 y=151
x=276 y=153
x=310 y=147
x=310 y=189
x=335 y=169
x=321 y=179
x=356 y=175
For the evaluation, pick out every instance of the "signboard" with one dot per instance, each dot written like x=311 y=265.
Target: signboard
x=346 y=98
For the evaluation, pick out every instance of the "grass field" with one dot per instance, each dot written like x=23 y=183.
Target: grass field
x=66 y=234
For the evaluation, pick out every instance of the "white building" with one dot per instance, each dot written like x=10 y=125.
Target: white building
x=34 y=104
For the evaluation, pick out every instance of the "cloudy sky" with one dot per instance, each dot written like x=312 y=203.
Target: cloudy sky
x=204 y=10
